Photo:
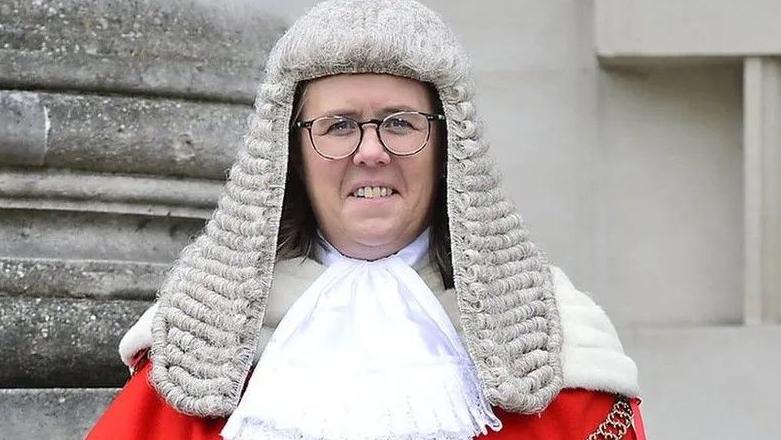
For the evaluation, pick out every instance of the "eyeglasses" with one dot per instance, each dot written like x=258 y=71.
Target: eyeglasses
x=403 y=133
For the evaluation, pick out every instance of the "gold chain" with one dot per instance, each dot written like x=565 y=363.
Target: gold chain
x=617 y=422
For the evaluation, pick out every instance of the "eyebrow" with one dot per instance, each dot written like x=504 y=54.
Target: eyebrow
x=385 y=111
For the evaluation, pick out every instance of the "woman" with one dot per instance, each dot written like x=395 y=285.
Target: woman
x=363 y=276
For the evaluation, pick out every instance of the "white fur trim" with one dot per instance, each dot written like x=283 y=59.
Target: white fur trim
x=138 y=338
x=592 y=355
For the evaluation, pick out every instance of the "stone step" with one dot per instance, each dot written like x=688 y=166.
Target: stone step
x=68 y=190
x=187 y=48
x=106 y=280
x=65 y=235
x=113 y=134
x=64 y=342
x=51 y=413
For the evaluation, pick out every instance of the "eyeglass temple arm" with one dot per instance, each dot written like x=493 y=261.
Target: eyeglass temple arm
x=430 y=117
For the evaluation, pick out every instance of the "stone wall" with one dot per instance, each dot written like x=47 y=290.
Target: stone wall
x=118 y=123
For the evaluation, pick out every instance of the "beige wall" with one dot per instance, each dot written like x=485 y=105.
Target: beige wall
x=670 y=193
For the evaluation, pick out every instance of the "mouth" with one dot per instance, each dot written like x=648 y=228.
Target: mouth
x=373 y=192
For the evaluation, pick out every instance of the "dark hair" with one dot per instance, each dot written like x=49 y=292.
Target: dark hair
x=298 y=236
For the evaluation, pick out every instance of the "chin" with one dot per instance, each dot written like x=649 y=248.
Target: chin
x=376 y=233
x=379 y=233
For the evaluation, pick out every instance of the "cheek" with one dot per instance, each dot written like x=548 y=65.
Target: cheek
x=311 y=174
x=322 y=179
x=424 y=177
x=433 y=168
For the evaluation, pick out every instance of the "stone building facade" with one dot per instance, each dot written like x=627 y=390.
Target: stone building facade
x=118 y=123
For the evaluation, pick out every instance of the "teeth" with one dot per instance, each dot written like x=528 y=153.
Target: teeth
x=371 y=192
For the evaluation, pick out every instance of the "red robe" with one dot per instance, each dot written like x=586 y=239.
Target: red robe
x=138 y=412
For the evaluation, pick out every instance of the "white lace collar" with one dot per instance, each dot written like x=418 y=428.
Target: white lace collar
x=366 y=352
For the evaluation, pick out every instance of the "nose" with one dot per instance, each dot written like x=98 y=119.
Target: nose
x=371 y=152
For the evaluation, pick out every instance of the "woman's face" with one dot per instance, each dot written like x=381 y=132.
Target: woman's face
x=361 y=227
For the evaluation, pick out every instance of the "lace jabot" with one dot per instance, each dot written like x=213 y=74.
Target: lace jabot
x=366 y=352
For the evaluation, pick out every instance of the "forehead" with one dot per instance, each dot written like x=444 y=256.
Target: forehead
x=365 y=93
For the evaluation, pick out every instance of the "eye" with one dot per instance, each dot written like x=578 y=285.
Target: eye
x=339 y=126
x=399 y=126
x=399 y=122
x=403 y=124
x=334 y=126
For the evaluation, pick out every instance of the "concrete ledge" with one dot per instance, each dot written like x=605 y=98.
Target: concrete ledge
x=23 y=131
x=636 y=29
x=89 y=279
x=51 y=413
x=122 y=135
x=76 y=191
x=61 y=342
x=61 y=235
x=184 y=48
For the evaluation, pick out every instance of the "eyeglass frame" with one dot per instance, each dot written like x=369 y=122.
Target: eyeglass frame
x=377 y=123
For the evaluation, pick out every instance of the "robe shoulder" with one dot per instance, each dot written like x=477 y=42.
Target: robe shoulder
x=138 y=412
x=573 y=415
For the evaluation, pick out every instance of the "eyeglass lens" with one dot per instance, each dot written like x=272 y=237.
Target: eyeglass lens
x=402 y=133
